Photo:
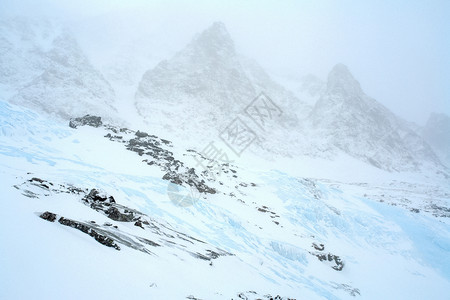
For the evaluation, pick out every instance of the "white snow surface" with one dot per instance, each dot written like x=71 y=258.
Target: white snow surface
x=389 y=251
x=337 y=169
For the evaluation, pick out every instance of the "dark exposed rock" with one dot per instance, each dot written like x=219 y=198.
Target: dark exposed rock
x=173 y=177
x=319 y=247
x=102 y=239
x=339 y=264
x=148 y=242
x=213 y=254
x=349 y=289
x=37 y=179
x=40 y=182
x=254 y=295
x=115 y=214
x=145 y=144
x=166 y=142
x=95 y=196
x=189 y=178
x=89 y=120
x=139 y=224
x=48 y=216
x=191 y=297
x=141 y=134
x=110 y=235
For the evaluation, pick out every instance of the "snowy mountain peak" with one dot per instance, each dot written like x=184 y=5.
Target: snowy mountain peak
x=358 y=125
x=214 y=41
x=341 y=81
x=438 y=118
x=44 y=68
x=437 y=133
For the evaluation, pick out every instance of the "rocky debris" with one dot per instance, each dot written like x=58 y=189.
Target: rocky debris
x=311 y=187
x=156 y=153
x=410 y=196
x=102 y=239
x=115 y=214
x=110 y=235
x=252 y=295
x=106 y=204
x=210 y=254
x=349 y=289
x=440 y=211
x=319 y=247
x=89 y=120
x=29 y=194
x=40 y=182
x=329 y=257
x=95 y=196
x=141 y=134
x=139 y=224
x=273 y=215
x=150 y=145
x=191 y=179
x=339 y=264
x=86 y=228
x=51 y=217
x=263 y=209
x=115 y=138
x=148 y=242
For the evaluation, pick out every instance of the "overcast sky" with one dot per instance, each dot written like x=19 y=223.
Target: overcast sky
x=398 y=50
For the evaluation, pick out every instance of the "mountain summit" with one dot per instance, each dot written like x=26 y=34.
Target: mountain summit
x=349 y=120
x=204 y=84
x=341 y=81
x=46 y=70
x=215 y=41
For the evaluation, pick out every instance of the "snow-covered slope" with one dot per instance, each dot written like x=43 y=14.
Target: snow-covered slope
x=437 y=133
x=44 y=68
x=263 y=232
x=311 y=88
x=93 y=210
x=347 y=119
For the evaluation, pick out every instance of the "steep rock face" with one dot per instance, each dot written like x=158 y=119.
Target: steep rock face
x=46 y=70
x=437 y=133
x=205 y=77
x=311 y=89
x=23 y=44
x=347 y=119
x=206 y=84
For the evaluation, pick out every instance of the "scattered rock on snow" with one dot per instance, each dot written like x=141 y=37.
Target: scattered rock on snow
x=48 y=216
x=89 y=120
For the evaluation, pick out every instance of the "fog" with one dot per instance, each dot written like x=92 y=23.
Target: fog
x=399 y=52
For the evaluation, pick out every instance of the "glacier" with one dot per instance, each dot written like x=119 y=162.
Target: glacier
x=388 y=251
x=107 y=193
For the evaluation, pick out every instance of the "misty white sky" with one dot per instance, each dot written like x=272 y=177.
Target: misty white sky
x=398 y=50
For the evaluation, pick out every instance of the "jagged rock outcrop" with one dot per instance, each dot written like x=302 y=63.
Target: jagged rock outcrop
x=89 y=120
x=348 y=120
x=48 y=72
x=205 y=85
x=437 y=133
